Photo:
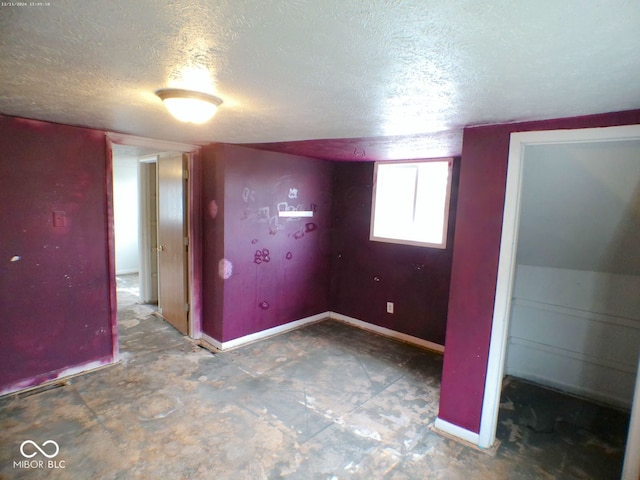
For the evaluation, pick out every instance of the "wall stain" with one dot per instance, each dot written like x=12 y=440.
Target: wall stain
x=262 y=256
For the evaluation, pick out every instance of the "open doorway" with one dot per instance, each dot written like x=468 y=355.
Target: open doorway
x=156 y=166
x=508 y=268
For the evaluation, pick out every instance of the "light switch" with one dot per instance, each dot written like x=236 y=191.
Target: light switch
x=59 y=218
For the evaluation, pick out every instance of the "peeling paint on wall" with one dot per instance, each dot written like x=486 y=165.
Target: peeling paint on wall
x=213 y=209
x=59 y=280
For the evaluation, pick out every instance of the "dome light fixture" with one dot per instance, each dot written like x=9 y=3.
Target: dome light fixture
x=189 y=105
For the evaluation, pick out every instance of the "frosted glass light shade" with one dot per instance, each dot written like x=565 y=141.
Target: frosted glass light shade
x=188 y=105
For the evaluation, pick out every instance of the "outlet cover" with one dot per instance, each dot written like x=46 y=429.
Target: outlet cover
x=59 y=218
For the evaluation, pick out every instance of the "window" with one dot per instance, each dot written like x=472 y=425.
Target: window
x=411 y=202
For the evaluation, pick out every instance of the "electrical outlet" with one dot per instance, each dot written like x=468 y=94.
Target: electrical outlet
x=389 y=307
x=59 y=218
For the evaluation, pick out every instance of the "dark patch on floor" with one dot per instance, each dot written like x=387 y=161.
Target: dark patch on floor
x=572 y=437
x=327 y=401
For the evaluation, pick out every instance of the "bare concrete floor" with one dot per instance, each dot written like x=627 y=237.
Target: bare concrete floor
x=327 y=401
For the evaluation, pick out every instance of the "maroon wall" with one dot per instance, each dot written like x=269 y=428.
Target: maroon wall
x=368 y=149
x=54 y=280
x=475 y=261
x=280 y=267
x=367 y=274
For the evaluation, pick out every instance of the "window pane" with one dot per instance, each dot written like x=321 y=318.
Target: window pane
x=395 y=201
x=410 y=202
x=431 y=201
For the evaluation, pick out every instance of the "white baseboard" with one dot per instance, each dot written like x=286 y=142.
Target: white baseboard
x=212 y=343
x=403 y=337
x=456 y=431
x=270 y=332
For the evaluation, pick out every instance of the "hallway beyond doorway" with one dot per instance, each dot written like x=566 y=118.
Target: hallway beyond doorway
x=140 y=330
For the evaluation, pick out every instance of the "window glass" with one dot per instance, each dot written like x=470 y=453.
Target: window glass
x=411 y=202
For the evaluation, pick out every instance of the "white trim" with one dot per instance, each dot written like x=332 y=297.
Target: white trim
x=580 y=135
x=295 y=213
x=163 y=146
x=155 y=144
x=270 y=332
x=504 y=290
x=609 y=319
x=147 y=217
x=210 y=342
x=403 y=337
x=456 y=431
x=153 y=158
x=506 y=263
x=565 y=353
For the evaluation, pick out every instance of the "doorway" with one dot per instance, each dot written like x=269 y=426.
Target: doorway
x=180 y=203
x=507 y=269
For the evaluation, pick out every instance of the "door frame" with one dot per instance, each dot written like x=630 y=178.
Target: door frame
x=194 y=213
x=147 y=242
x=507 y=262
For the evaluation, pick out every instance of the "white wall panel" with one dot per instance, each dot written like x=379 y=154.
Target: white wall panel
x=575 y=330
x=125 y=214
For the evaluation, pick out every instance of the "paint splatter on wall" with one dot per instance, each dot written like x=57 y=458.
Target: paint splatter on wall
x=291 y=276
x=213 y=209
x=262 y=256
x=225 y=269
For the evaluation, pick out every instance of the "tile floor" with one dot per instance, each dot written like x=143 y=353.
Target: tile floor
x=327 y=401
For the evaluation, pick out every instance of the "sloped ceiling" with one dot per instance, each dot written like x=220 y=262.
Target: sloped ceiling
x=581 y=207
x=291 y=70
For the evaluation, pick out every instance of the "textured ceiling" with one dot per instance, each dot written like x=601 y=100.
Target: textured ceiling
x=330 y=69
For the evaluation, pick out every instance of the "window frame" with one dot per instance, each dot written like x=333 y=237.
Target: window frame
x=447 y=202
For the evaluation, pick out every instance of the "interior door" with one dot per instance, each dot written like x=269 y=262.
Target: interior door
x=172 y=244
x=148 y=228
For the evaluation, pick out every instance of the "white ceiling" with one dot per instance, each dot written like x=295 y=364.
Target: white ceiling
x=311 y=69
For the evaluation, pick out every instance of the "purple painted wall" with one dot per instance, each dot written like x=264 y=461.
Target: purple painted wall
x=367 y=149
x=366 y=274
x=475 y=261
x=55 y=308
x=277 y=269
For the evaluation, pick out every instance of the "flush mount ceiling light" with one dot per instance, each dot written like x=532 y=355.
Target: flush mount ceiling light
x=189 y=105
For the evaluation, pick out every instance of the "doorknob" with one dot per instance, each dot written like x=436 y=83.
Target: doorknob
x=160 y=248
